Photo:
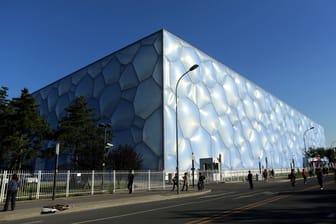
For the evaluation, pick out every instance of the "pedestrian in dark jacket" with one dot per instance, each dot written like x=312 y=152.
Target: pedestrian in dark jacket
x=200 y=183
x=319 y=176
x=292 y=177
x=250 y=179
x=265 y=175
x=12 y=189
x=185 y=182
x=175 y=179
x=130 y=182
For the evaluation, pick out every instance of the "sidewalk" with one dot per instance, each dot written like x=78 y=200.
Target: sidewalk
x=28 y=209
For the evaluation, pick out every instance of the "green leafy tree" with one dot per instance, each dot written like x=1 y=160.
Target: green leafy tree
x=322 y=152
x=330 y=154
x=26 y=131
x=125 y=158
x=5 y=111
x=312 y=153
x=319 y=152
x=80 y=137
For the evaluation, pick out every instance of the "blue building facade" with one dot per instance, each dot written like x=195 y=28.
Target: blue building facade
x=219 y=111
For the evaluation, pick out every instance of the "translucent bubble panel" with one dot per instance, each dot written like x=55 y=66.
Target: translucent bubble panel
x=123 y=89
x=219 y=111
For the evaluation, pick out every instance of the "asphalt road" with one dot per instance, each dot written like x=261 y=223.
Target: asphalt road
x=227 y=203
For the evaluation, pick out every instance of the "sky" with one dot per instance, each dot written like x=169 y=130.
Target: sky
x=287 y=47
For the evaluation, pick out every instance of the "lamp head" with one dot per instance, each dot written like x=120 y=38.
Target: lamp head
x=193 y=67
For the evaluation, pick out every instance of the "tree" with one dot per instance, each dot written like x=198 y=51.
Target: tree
x=80 y=137
x=330 y=154
x=125 y=158
x=4 y=119
x=312 y=153
x=25 y=132
x=3 y=99
x=322 y=152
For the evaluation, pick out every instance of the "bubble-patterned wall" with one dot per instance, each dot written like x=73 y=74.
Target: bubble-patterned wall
x=125 y=89
x=219 y=111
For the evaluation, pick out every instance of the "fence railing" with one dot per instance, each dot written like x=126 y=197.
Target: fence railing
x=40 y=184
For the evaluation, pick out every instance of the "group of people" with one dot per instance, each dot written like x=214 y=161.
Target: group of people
x=264 y=175
x=200 y=183
x=319 y=176
x=292 y=177
x=14 y=184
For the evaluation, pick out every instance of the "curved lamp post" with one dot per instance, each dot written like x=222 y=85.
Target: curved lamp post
x=176 y=125
x=304 y=142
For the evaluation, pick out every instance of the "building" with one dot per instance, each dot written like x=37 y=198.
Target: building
x=220 y=113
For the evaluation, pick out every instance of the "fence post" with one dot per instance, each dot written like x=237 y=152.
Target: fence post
x=163 y=180
x=133 y=183
x=92 y=182
x=149 y=182
x=67 y=184
x=3 y=185
x=114 y=180
x=38 y=187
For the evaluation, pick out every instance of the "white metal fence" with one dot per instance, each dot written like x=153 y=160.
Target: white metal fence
x=39 y=185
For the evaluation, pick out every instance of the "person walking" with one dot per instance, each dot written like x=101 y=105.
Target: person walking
x=130 y=182
x=319 y=176
x=185 y=182
x=304 y=175
x=175 y=179
x=12 y=189
x=292 y=177
x=265 y=175
x=250 y=179
x=200 y=183
x=272 y=173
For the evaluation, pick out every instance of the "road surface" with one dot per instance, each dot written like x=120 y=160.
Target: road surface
x=271 y=202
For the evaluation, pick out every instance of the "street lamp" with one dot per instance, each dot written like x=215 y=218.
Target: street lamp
x=56 y=170
x=304 y=142
x=259 y=164
x=293 y=161
x=176 y=124
x=106 y=146
x=193 y=168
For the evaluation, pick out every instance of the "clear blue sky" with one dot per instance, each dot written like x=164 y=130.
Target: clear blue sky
x=288 y=47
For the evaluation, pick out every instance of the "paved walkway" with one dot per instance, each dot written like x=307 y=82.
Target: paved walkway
x=27 y=209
